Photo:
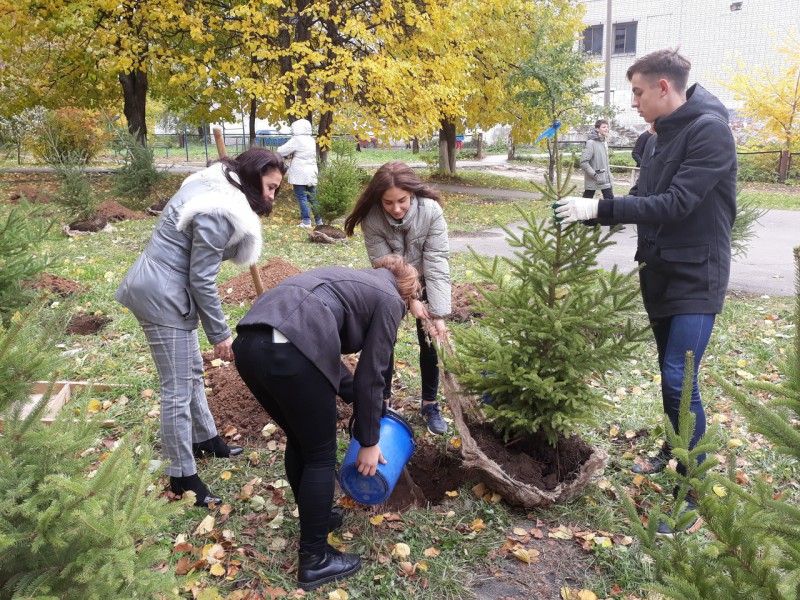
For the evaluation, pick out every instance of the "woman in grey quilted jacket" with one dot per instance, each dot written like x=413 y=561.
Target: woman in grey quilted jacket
x=399 y=214
x=172 y=287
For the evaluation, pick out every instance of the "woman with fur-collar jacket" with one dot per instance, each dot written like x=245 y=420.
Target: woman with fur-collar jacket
x=399 y=214
x=172 y=287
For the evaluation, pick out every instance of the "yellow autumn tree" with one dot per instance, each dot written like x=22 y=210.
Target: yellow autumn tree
x=772 y=96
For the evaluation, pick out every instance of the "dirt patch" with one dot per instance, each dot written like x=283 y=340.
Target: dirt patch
x=241 y=288
x=531 y=459
x=236 y=410
x=555 y=563
x=87 y=324
x=54 y=284
x=93 y=224
x=327 y=234
x=463 y=297
x=113 y=211
x=34 y=195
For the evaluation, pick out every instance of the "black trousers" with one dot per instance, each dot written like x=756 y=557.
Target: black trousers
x=302 y=401
x=608 y=193
x=428 y=368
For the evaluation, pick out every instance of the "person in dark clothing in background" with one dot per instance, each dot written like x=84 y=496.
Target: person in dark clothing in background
x=684 y=204
x=641 y=142
x=288 y=352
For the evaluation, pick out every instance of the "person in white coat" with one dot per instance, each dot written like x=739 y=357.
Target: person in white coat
x=302 y=174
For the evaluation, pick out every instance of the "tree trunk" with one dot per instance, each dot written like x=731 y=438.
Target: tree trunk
x=783 y=166
x=415 y=145
x=134 y=95
x=512 y=150
x=447 y=148
x=480 y=146
x=251 y=122
x=552 y=149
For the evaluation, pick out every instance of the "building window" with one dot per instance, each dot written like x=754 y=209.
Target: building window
x=625 y=38
x=593 y=39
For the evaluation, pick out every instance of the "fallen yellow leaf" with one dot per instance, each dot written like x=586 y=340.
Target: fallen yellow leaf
x=94 y=406
x=451 y=494
x=338 y=594
x=217 y=570
x=432 y=552
x=720 y=491
x=225 y=475
x=522 y=554
x=455 y=442
x=401 y=550
x=477 y=525
x=205 y=526
x=376 y=520
x=217 y=362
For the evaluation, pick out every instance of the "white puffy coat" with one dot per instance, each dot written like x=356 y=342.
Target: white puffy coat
x=302 y=148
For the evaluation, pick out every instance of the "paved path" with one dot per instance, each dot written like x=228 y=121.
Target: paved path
x=767 y=268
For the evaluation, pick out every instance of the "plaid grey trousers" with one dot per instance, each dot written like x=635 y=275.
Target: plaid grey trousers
x=185 y=417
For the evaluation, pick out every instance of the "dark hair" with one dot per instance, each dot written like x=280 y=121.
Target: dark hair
x=600 y=122
x=250 y=166
x=664 y=64
x=394 y=174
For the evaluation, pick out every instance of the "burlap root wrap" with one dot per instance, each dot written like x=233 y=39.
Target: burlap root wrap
x=516 y=493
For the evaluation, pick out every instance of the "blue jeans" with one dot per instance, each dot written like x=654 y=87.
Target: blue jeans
x=307 y=194
x=675 y=336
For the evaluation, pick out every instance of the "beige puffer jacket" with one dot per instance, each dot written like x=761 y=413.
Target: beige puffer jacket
x=421 y=239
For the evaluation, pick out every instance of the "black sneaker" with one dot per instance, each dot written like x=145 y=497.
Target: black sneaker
x=433 y=418
x=681 y=526
x=655 y=465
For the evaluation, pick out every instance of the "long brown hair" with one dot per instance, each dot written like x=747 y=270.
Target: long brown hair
x=406 y=275
x=394 y=174
x=251 y=165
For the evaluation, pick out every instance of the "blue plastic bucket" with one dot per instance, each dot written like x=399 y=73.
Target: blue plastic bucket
x=397 y=446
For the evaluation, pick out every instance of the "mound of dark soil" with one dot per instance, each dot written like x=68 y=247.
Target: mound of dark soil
x=87 y=324
x=54 y=284
x=463 y=297
x=92 y=224
x=242 y=289
x=114 y=211
x=34 y=195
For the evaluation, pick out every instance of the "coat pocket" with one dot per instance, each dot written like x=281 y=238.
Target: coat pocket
x=686 y=271
x=188 y=307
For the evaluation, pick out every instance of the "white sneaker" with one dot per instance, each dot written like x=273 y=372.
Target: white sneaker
x=304 y=225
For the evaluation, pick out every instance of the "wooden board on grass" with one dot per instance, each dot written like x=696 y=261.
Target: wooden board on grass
x=60 y=395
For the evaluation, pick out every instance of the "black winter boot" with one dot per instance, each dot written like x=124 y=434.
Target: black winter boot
x=217 y=447
x=193 y=483
x=315 y=570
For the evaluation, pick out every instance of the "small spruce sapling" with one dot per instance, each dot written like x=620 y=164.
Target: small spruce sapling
x=553 y=321
x=754 y=543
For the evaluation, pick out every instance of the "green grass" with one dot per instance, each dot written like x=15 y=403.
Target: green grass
x=749 y=339
x=774 y=197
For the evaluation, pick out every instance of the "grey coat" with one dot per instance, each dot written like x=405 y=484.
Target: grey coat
x=331 y=311
x=173 y=283
x=594 y=162
x=421 y=239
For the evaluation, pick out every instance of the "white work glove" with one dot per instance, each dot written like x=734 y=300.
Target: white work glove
x=573 y=208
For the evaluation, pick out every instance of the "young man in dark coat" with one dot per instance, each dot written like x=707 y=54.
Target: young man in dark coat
x=684 y=204
x=641 y=142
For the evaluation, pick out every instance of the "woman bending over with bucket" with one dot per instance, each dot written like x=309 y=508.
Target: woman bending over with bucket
x=399 y=214
x=288 y=352
x=172 y=287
